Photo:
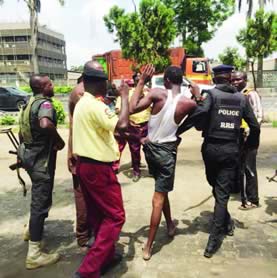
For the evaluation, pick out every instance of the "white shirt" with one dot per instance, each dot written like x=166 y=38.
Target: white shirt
x=256 y=104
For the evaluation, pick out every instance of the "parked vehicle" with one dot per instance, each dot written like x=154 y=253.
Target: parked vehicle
x=118 y=68
x=158 y=82
x=12 y=98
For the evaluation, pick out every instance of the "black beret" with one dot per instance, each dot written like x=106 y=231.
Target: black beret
x=223 y=69
x=89 y=71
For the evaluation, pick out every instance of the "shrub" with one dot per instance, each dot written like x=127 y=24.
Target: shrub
x=7 y=120
x=26 y=89
x=57 y=89
x=59 y=110
x=274 y=123
x=62 y=89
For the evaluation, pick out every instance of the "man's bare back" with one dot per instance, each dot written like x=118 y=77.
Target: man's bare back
x=74 y=97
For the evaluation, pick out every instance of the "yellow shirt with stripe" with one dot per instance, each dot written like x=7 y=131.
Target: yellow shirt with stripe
x=244 y=124
x=137 y=118
x=93 y=130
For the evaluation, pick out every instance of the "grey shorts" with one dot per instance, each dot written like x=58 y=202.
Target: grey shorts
x=161 y=160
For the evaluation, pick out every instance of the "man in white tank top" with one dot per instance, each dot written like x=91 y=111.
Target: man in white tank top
x=169 y=108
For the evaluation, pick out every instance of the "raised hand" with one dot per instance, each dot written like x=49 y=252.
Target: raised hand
x=123 y=89
x=147 y=73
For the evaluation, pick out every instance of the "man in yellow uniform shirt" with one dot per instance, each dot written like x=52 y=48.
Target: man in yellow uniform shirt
x=137 y=129
x=94 y=125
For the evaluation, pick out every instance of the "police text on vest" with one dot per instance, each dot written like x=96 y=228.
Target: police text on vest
x=228 y=112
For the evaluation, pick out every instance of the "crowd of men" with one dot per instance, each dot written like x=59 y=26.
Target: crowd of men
x=154 y=118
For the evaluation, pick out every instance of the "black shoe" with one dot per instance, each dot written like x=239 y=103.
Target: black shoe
x=115 y=261
x=77 y=275
x=213 y=245
x=230 y=228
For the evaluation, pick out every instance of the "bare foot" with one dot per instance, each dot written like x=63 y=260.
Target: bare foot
x=171 y=229
x=146 y=253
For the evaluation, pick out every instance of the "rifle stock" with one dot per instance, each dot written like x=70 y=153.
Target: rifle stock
x=15 y=166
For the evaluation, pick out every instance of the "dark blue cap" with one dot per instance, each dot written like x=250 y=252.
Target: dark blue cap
x=223 y=69
x=92 y=72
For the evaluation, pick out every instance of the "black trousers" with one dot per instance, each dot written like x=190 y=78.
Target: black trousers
x=239 y=184
x=221 y=162
x=42 y=186
x=249 y=189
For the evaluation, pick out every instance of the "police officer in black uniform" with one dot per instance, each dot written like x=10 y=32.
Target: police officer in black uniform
x=219 y=115
x=39 y=143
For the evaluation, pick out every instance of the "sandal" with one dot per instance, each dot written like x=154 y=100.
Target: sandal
x=248 y=206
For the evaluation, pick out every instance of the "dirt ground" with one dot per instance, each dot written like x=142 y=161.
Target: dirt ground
x=252 y=252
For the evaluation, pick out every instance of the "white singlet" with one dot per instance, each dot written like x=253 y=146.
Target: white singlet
x=162 y=127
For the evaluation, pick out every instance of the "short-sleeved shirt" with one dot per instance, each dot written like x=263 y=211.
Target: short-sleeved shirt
x=42 y=108
x=93 y=130
x=46 y=110
x=137 y=118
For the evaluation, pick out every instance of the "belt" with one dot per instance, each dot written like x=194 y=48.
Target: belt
x=93 y=161
x=218 y=140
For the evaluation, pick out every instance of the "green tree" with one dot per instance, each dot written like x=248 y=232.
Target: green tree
x=34 y=7
x=259 y=39
x=77 y=68
x=230 y=56
x=250 y=4
x=144 y=36
x=197 y=20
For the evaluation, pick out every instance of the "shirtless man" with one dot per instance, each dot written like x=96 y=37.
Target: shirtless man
x=169 y=107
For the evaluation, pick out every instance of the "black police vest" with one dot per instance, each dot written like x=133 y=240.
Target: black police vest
x=225 y=115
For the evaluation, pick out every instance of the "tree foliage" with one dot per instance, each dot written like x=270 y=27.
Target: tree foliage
x=77 y=68
x=230 y=56
x=259 y=38
x=197 y=20
x=144 y=36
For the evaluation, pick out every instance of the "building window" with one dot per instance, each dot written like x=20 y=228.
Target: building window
x=199 y=66
x=11 y=57
x=8 y=39
x=21 y=38
x=23 y=57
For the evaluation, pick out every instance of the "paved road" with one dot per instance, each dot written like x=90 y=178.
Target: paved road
x=252 y=252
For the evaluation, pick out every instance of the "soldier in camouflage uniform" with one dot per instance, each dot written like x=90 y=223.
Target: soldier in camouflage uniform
x=40 y=142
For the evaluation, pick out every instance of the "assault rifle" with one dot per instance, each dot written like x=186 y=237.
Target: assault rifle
x=16 y=166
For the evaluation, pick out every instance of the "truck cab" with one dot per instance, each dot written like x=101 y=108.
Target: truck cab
x=198 y=70
x=117 y=68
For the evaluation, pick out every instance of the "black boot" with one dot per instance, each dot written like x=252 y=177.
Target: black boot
x=213 y=245
x=230 y=228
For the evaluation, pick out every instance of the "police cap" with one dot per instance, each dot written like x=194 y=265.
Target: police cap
x=223 y=69
x=92 y=72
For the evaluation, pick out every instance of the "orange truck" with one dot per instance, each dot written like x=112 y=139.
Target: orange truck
x=118 y=68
